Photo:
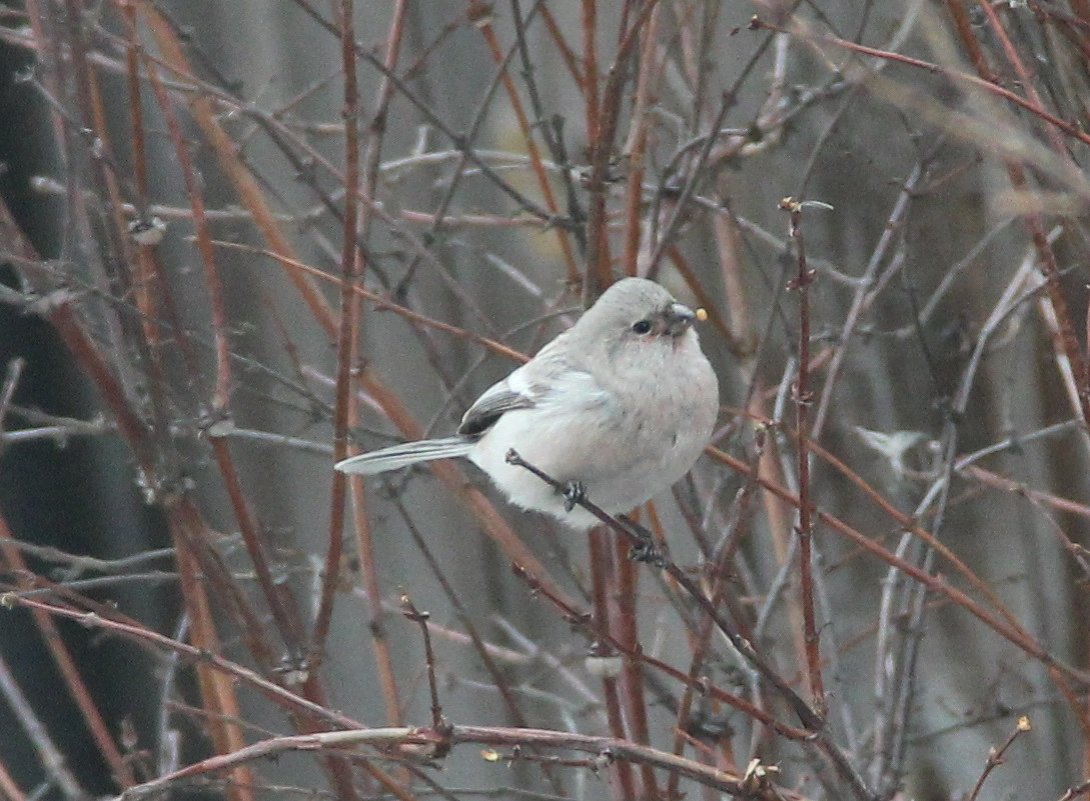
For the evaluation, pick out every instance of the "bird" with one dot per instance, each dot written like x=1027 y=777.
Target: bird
x=616 y=408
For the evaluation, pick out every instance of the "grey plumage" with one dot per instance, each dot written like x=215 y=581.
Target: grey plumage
x=410 y=453
x=622 y=402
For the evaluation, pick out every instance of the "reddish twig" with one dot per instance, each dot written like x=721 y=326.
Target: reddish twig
x=626 y=627
x=383 y=303
x=348 y=331
x=717 y=591
x=603 y=115
x=607 y=665
x=221 y=397
x=9 y=790
x=636 y=148
x=562 y=46
x=645 y=550
x=365 y=549
x=803 y=396
x=501 y=681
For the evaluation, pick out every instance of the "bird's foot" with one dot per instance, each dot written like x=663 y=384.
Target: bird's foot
x=575 y=492
x=645 y=549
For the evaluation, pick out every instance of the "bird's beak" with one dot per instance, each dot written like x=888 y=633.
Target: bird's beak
x=679 y=318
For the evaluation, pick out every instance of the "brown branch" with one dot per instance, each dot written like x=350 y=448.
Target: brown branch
x=221 y=397
x=607 y=666
x=132 y=631
x=803 y=398
x=411 y=613
x=347 y=334
x=383 y=303
x=362 y=527
x=626 y=628
x=430 y=741
x=636 y=148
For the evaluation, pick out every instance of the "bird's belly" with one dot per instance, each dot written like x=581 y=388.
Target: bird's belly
x=622 y=457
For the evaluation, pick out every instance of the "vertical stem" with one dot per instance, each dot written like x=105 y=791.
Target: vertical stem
x=600 y=136
x=218 y=694
x=222 y=394
x=637 y=145
x=348 y=330
x=421 y=619
x=598 y=261
x=284 y=613
x=601 y=564
x=803 y=278
x=632 y=675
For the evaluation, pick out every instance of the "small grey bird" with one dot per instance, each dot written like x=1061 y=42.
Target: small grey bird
x=621 y=403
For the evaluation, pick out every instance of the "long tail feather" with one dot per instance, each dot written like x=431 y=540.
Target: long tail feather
x=368 y=464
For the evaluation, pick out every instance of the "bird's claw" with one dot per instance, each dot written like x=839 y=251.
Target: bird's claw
x=645 y=549
x=575 y=492
x=647 y=552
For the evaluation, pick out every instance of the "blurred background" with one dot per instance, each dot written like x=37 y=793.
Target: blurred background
x=188 y=188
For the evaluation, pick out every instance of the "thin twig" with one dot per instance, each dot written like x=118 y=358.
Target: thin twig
x=803 y=398
x=411 y=613
x=995 y=757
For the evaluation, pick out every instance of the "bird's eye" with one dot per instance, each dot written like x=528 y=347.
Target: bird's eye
x=642 y=327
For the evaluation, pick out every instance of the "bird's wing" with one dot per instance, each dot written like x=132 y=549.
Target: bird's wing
x=525 y=388
x=496 y=401
x=551 y=373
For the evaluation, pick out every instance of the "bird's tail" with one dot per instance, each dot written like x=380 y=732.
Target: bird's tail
x=368 y=464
